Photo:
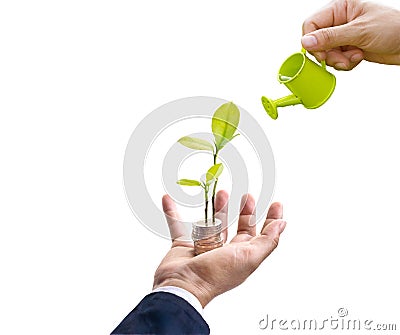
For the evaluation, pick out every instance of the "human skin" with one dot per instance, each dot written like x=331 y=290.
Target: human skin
x=345 y=32
x=217 y=271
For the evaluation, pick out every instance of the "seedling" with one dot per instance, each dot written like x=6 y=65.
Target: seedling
x=211 y=178
x=223 y=125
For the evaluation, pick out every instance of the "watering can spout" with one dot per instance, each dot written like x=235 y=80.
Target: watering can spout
x=271 y=106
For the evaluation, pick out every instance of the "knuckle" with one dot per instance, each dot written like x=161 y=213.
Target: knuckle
x=275 y=242
x=362 y=33
x=328 y=36
x=306 y=24
x=309 y=25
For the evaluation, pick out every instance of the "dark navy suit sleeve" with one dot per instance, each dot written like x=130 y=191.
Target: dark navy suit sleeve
x=163 y=313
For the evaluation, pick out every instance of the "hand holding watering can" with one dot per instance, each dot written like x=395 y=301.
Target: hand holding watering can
x=311 y=84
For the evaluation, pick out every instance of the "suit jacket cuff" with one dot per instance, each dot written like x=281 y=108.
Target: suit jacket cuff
x=163 y=313
x=180 y=292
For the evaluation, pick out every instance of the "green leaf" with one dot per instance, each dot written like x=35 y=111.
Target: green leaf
x=196 y=143
x=213 y=173
x=224 y=123
x=188 y=182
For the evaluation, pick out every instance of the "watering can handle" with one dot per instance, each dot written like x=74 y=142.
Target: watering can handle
x=323 y=63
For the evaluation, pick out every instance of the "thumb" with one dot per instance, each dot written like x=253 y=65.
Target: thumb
x=329 y=38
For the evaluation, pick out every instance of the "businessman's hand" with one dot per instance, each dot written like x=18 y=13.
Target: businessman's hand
x=217 y=271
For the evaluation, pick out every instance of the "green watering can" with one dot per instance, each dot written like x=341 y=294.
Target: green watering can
x=311 y=84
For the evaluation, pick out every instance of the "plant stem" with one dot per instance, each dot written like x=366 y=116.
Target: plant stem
x=213 y=200
x=206 y=204
x=214 y=188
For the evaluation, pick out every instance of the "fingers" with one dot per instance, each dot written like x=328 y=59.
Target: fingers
x=175 y=226
x=221 y=211
x=339 y=59
x=330 y=38
x=344 y=60
x=268 y=239
x=329 y=27
x=332 y=28
x=264 y=244
x=247 y=217
x=325 y=17
x=275 y=212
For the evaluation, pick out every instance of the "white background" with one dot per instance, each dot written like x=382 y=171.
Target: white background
x=77 y=77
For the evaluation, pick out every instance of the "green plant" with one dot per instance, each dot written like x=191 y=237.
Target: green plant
x=223 y=125
x=211 y=176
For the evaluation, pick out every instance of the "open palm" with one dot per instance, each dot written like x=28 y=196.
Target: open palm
x=217 y=271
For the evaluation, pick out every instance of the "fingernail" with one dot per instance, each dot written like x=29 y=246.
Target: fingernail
x=309 y=41
x=356 y=58
x=340 y=66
